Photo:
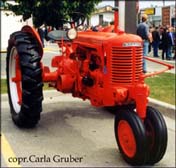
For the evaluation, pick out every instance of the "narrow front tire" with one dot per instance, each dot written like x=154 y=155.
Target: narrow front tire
x=131 y=137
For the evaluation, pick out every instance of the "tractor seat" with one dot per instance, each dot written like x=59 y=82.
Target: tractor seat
x=58 y=35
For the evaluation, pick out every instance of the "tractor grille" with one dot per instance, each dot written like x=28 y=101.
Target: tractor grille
x=126 y=64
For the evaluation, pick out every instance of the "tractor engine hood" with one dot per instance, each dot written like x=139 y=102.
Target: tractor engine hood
x=92 y=39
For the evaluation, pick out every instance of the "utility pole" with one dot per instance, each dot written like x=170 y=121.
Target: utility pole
x=131 y=16
x=163 y=2
x=127 y=15
x=116 y=3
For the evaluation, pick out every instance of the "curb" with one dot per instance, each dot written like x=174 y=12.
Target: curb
x=173 y=61
x=3 y=51
x=165 y=108
x=50 y=49
x=45 y=49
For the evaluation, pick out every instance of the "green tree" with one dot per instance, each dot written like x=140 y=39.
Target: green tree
x=51 y=12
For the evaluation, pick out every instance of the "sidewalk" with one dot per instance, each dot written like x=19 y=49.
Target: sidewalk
x=153 y=67
x=48 y=47
x=51 y=47
x=172 y=61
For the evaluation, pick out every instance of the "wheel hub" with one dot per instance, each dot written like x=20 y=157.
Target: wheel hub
x=15 y=80
x=126 y=138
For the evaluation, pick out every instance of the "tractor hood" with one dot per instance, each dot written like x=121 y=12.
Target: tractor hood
x=93 y=39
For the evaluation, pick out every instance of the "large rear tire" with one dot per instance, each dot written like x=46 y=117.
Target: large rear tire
x=24 y=79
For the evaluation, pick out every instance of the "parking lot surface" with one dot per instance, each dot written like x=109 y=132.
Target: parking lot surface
x=70 y=133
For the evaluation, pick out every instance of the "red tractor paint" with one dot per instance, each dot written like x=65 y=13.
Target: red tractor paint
x=17 y=79
x=97 y=66
x=127 y=139
x=32 y=31
x=104 y=67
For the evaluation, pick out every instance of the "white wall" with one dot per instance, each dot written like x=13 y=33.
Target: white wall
x=94 y=20
x=10 y=24
x=108 y=16
x=158 y=11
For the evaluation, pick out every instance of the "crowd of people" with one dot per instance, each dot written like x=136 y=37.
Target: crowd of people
x=163 y=38
x=159 y=38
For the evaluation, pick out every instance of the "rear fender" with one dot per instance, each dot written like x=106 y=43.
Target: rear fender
x=35 y=34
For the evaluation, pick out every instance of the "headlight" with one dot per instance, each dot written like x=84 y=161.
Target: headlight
x=72 y=34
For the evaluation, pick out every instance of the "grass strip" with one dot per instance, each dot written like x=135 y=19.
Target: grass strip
x=162 y=87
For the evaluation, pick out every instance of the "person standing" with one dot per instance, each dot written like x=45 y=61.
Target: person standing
x=171 y=42
x=156 y=41
x=174 y=47
x=150 y=38
x=143 y=32
x=165 y=43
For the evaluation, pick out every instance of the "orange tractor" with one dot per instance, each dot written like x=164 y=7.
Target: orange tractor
x=104 y=67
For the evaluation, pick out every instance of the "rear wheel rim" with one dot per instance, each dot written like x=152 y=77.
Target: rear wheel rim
x=15 y=80
x=126 y=138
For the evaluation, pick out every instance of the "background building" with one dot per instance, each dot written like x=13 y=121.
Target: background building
x=163 y=15
x=169 y=16
x=102 y=16
x=127 y=15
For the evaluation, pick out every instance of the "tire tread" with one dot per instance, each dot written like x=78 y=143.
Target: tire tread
x=31 y=71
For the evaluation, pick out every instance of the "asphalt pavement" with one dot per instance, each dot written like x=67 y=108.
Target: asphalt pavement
x=72 y=128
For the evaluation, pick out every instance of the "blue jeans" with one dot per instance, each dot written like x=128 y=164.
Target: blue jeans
x=145 y=53
x=169 y=52
x=155 y=48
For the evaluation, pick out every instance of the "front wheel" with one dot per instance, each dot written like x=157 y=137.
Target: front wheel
x=131 y=137
x=157 y=135
x=24 y=79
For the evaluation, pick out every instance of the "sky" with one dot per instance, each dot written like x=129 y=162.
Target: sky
x=142 y=3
